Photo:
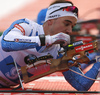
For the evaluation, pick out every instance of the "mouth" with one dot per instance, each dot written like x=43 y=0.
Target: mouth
x=68 y=33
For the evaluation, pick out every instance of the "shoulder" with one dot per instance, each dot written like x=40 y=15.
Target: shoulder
x=27 y=23
x=31 y=22
x=25 y=20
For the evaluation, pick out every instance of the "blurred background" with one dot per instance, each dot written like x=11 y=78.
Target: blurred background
x=11 y=10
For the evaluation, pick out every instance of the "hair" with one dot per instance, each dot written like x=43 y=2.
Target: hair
x=61 y=1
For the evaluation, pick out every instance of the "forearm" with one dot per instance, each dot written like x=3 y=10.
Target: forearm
x=16 y=41
x=79 y=82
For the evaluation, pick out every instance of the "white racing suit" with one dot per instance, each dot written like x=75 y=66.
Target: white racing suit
x=20 y=40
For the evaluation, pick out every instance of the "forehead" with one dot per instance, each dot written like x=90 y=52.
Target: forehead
x=70 y=18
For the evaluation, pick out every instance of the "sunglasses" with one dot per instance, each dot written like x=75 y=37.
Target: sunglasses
x=69 y=9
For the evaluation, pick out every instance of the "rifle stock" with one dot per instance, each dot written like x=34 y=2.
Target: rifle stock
x=62 y=63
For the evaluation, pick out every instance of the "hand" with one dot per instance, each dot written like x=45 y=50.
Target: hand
x=92 y=56
x=60 y=38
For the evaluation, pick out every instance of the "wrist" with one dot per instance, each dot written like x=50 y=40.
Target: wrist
x=42 y=39
x=48 y=40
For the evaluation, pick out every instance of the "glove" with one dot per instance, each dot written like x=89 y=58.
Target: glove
x=58 y=39
x=92 y=56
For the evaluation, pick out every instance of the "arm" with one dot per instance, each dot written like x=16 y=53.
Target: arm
x=17 y=37
x=79 y=82
x=21 y=35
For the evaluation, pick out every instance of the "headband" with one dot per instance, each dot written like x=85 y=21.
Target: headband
x=52 y=13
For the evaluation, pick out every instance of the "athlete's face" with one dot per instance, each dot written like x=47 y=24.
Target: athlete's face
x=62 y=24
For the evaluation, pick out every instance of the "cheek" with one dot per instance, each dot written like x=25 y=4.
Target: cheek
x=60 y=27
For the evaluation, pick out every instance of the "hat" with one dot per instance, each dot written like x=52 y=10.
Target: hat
x=60 y=10
x=41 y=16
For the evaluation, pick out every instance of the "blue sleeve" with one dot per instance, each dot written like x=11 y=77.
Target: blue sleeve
x=15 y=46
x=79 y=82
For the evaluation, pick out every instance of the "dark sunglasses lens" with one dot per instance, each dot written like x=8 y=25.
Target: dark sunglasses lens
x=72 y=9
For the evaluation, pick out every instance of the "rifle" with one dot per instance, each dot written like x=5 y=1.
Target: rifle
x=63 y=64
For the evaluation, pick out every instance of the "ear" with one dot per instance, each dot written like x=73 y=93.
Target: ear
x=50 y=22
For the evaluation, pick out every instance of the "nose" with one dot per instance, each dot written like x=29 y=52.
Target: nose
x=69 y=30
